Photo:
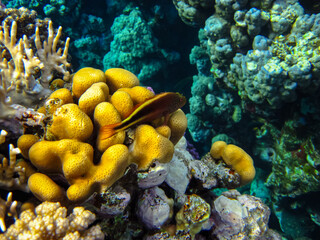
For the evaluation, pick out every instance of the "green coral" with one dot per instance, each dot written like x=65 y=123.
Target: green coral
x=292 y=174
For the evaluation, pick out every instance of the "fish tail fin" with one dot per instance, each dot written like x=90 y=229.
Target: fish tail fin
x=108 y=130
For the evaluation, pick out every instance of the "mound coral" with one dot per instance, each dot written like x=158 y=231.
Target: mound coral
x=235 y=157
x=72 y=134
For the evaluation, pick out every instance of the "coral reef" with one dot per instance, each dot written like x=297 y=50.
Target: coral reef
x=7 y=208
x=95 y=144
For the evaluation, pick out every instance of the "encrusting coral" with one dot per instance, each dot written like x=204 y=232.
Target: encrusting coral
x=50 y=221
x=235 y=157
x=64 y=149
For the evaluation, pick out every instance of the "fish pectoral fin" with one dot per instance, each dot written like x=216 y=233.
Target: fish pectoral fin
x=108 y=131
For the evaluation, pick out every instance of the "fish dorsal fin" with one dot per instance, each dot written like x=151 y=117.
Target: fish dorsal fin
x=135 y=107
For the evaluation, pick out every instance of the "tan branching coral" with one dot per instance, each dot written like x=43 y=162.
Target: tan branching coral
x=3 y=135
x=51 y=57
x=50 y=221
x=13 y=174
x=9 y=208
x=20 y=65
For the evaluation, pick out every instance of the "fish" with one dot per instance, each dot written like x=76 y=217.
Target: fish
x=158 y=106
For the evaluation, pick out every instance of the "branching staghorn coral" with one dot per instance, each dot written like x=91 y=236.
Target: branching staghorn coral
x=20 y=65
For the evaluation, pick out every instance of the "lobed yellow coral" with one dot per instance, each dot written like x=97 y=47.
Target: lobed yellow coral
x=138 y=94
x=64 y=151
x=45 y=189
x=178 y=124
x=122 y=101
x=25 y=142
x=63 y=94
x=75 y=160
x=235 y=157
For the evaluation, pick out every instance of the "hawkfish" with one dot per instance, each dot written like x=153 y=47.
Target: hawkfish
x=156 y=107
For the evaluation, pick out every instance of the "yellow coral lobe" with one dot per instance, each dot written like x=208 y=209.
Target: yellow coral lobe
x=149 y=146
x=97 y=93
x=45 y=157
x=235 y=157
x=69 y=122
x=113 y=163
x=122 y=102
x=56 y=84
x=101 y=111
x=240 y=161
x=25 y=142
x=139 y=94
x=178 y=124
x=63 y=94
x=120 y=78
x=67 y=156
x=45 y=189
x=164 y=130
x=217 y=149
x=84 y=78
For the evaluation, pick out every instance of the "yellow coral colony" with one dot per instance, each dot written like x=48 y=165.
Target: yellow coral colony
x=72 y=135
x=235 y=157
